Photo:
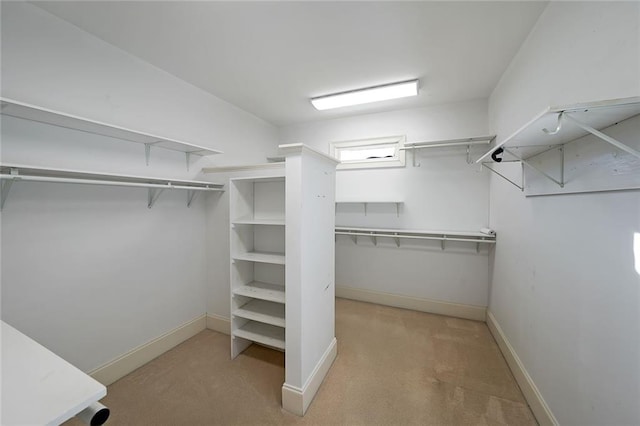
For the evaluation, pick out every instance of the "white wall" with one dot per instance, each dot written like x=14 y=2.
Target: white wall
x=444 y=193
x=564 y=287
x=90 y=272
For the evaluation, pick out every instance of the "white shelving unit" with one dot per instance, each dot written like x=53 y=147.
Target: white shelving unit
x=549 y=133
x=13 y=108
x=285 y=299
x=257 y=211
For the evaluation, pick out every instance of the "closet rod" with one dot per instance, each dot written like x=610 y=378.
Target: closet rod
x=418 y=237
x=456 y=142
x=105 y=182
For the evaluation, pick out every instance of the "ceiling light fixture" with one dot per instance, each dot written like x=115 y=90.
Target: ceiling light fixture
x=367 y=95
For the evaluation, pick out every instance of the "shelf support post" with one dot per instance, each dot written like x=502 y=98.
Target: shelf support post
x=604 y=137
x=154 y=193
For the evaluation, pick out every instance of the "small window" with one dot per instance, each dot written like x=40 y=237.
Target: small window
x=369 y=153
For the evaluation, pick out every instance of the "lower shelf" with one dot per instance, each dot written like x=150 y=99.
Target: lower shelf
x=262 y=333
x=263 y=291
x=262 y=311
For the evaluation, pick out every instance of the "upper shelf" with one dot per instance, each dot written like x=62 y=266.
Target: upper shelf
x=25 y=111
x=560 y=125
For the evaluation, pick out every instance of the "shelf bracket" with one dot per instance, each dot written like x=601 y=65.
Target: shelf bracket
x=604 y=137
x=444 y=237
x=468 y=154
x=6 y=187
x=147 y=152
x=188 y=157
x=191 y=195
x=375 y=239
x=558 y=127
x=477 y=247
x=365 y=208
x=397 y=238
x=398 y=209
x=154 y=193
x=548 y=176
x=520 y=187
x=414 y=154
x=355 y=239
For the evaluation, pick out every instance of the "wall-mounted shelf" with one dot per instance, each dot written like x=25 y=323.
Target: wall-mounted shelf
x=251 y=221
x=10 y=173
x=555 y=127
x=13 y=108
x=464 y=142
x=365 y=203
x=399 y=234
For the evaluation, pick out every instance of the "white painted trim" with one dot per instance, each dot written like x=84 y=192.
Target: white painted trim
x=472 y=312
x=244 y=167
x=296 y=400
x=219 y=324
x=137 y=357
x=299 y=148
x=529 y=389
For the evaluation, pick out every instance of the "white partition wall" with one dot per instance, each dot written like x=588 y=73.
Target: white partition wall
x=310 y=278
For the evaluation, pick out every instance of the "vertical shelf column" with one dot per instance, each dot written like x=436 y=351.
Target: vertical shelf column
x=310 y=274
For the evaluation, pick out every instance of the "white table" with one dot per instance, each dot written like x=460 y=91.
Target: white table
x=39 y=387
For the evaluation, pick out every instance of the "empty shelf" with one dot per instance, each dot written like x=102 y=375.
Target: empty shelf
x=43 y=115
x=251 y=221
x=263 y=291
x=274 y=258
x=262 y=333
x=262 y=311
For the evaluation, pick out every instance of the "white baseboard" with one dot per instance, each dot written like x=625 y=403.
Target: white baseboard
x=296 y=400
x=529 y=389
x=137 y=357
x=219 y=324
x=458 y=310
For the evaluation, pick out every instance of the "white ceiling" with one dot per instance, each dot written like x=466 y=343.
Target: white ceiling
x=269 y=58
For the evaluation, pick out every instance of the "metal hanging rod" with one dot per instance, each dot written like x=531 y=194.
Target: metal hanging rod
x=466 y=142
x=168 y=185
x=480 y=140
x=156 y=186
x=397 y=235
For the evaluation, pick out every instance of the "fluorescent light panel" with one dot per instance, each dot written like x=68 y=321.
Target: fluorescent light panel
x=368 y=95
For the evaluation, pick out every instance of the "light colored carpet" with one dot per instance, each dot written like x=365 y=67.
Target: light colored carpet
x=394 y=367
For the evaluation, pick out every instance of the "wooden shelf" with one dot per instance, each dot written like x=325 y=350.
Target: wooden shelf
x=262 y=333
x=39 y=114
x=262 y=257
x=262 y=311
x=262 y=291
